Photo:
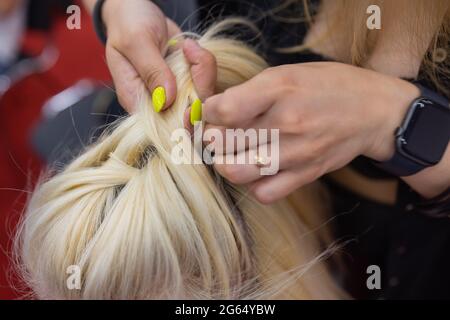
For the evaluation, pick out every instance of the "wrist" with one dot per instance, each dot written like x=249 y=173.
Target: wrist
x=390 y=108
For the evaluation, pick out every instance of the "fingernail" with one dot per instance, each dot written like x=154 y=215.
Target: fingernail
x=172 y=42
x=159 y=98
x=196 y=111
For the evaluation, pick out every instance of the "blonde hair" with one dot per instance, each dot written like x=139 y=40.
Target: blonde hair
x=141 y=227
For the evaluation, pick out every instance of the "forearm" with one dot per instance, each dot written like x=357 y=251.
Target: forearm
x=432 y=181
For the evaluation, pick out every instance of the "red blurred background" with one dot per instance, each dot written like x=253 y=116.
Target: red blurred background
x=80 y=56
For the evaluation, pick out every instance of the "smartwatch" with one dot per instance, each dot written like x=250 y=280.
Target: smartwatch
x=423 y=137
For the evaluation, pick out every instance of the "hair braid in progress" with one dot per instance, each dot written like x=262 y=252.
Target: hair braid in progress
x=142 y=227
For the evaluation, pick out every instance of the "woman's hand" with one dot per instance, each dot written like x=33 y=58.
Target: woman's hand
x=138 y=33
x=203 y=72
x=327 y=114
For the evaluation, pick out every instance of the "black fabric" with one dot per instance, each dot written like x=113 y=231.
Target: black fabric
x=40 y=12
x=410 y=248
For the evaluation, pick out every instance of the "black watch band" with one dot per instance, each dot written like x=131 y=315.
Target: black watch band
x=402 y=164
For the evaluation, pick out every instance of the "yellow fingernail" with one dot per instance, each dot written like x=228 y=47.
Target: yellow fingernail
x=159 y=98
x=172 y=42
x=196 y=111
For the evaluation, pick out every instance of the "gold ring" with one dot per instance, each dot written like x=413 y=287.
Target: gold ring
x=261 y=161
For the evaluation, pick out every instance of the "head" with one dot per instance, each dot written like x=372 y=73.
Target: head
x=139 y=226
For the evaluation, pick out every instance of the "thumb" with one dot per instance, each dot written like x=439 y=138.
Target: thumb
x=148 y=61
x=203 y=73
x=203 y=68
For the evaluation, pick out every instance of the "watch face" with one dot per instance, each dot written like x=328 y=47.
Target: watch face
x=427 y=131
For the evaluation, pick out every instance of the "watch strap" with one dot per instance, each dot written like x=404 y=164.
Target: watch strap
x=430 y=94
x=400 y=165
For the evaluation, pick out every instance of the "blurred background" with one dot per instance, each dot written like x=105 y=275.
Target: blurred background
x=48 y=75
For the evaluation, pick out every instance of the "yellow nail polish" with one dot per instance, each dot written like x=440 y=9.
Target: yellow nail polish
x=196 y=111
x=159 y=98
x=172 y=42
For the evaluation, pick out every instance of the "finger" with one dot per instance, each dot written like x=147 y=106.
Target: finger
x=242 y=167
x=237 y=106
x=287 y=150
x=126 y=80
x=187 y=121
x=203 y=68
x=172 y=28
x=238 y=169
x=238 y=140
x=174 y=33
x=145 y=54
x=233 y=140
x=212 y=135
x=273 y=188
